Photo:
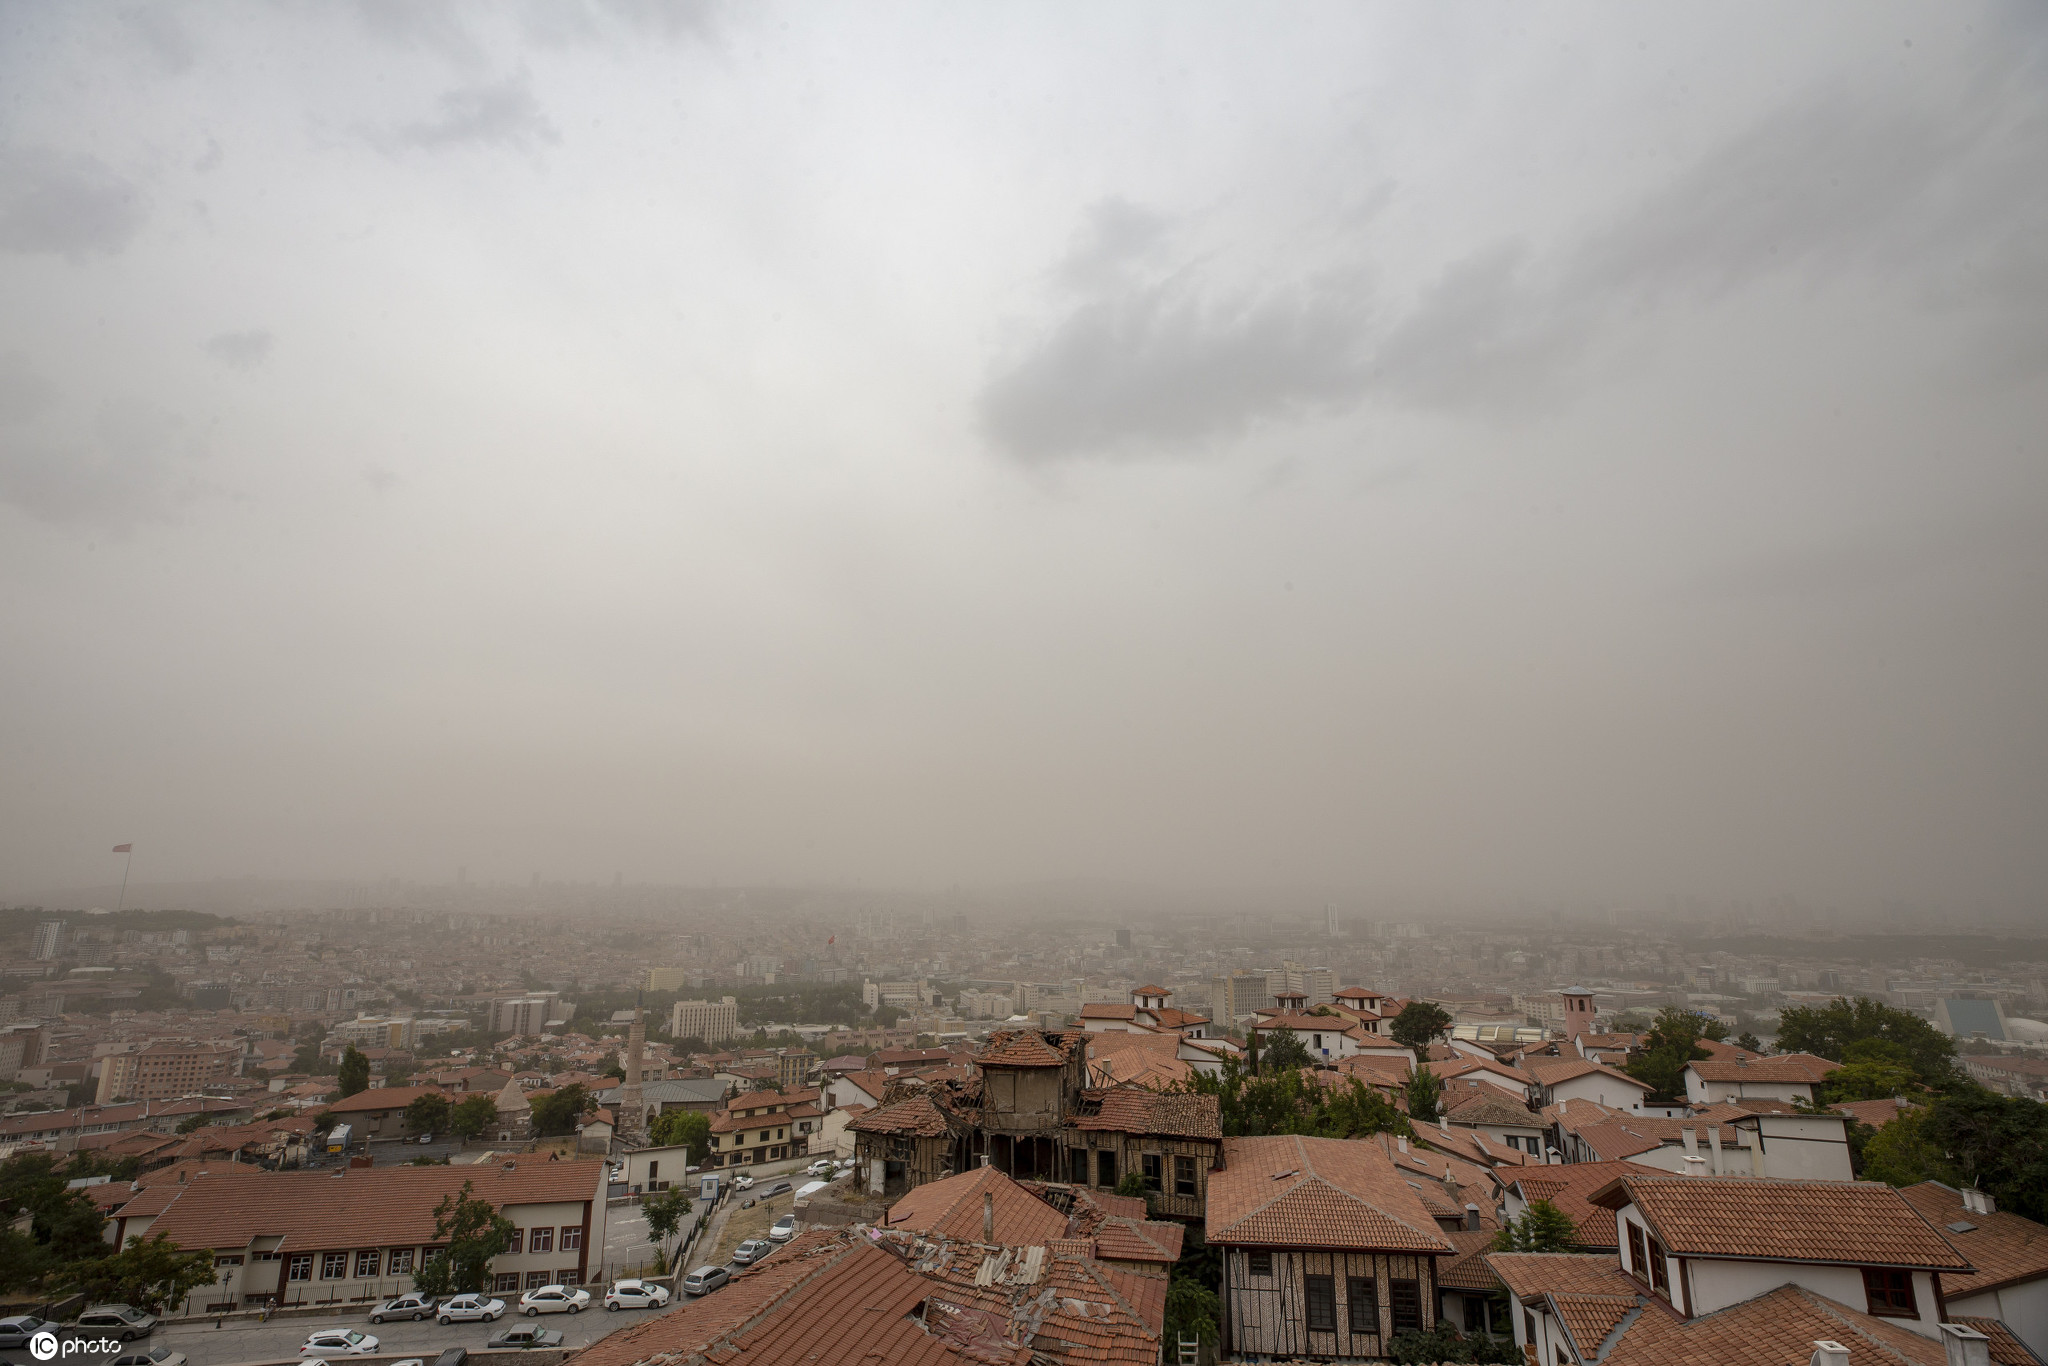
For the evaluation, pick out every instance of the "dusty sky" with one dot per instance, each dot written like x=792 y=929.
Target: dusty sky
x=1554 y=450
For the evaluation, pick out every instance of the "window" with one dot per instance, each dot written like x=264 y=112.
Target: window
x=1105 y=1168
x=366 y=1265
x=543 y=1240
x=1638 y=1260
x=1405 y=1299
x=505 y=1282
x=1889 y=1292
x=301 y=1268
x=1259 y=1263
x=1184 y=1176
x=572 y=1238
x=1077 y=1165
x=1322 y=1304
x=401 y=1261
x=1362 y=1295
x=227 y=1261
x=517 y=1242
x=568 y=1277
x=1150 y=1165
x=536 y=1279
x=1529 y=1328
x=1660 y=1274
x=333 y=1266
x=654 y=1168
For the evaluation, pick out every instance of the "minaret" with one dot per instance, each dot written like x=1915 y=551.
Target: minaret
x=632 y=1117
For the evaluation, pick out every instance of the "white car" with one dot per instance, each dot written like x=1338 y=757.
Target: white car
x=822 y=1167
x=414 y=1307
x=635 y=1295
x=464 y=1308
x=553 y=1299
x=783 y=1229
x=342 y=1342
x=743 y=1182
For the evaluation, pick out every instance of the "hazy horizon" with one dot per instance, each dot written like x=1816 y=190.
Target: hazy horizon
x=1561 y=454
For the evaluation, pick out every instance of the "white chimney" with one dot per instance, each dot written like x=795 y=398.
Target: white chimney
x=1827 y=1352
x=1965 y=1346
x=1714 y=1145
x=1979 y=1202
x=1401 y=1143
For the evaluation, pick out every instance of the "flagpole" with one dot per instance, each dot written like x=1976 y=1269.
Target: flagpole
x=127 y=860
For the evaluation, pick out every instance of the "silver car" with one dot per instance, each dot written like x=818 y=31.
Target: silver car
x=414 y=1307
x=705 y=1279
x=466 y=1308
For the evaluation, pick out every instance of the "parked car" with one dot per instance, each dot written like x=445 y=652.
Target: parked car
x=452 y=1356
x=525 y=1335
x=743 y=1182
x=124 y=1321
x=779 y=1188
x=635 y=1295
x=783 y=1229
x=752 y=1250
x=705 y=1279
x=426 y=1139
x=822 y=1167
x=161 y=1356
x=553 y=1299
x=16 y=1331
x=846 y=1164
x=463 y=1308
x=348 y=1342
x=414 y=1306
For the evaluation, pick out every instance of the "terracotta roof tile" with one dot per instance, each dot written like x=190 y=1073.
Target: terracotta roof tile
x=2006 y=1347
x=1030 y=1048
x=1468 y=1269
x=2004 y=1248
x=1134 y=1110
x=1291 y=1191
x=1548 y=1072
x=370 y=1207
x=1858 y=1223
x=1530 y=1274
x=1131 y=1240
x=382 y=1098
x=1567 y=1186
x=1588 y=1319
x=952 y=1208
x=1790 y=1067
x=917 y=1115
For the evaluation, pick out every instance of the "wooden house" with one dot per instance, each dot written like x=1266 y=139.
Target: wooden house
x=1328 y=1252
x=1031 y=1085
x=906 y=1143
x=1172 y=1141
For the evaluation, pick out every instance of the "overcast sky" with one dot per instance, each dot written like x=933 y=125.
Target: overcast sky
x=1551 y=451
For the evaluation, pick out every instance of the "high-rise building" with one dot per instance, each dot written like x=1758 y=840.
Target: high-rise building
x=711 y=1021
x=1234 y=995
x=667 y=979
x=163 y=1071
x=49 y=938
x=525 y=1015
x=1333 y=923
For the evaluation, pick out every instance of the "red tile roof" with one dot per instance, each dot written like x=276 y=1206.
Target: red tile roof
x=1139 y=1240
x=952 y=1208
x=360 y=1207
x=1857 y=1223
x=1794 y=1068
x=1555 y=1073
x=382 y=1098
x=1291 y=1191
x=2005 y=1248
x=1530 y=1274
x=1567 y=1186
x=918 y=1116
x=1031 y=1048
x=1134 y=1110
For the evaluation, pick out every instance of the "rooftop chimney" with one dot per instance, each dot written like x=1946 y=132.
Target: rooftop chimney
x=1471 y=1218
x=988 y=1216
x=1828 y=1352
x=1979 y=1202
x=1965 y=1346
x=1401 y=1143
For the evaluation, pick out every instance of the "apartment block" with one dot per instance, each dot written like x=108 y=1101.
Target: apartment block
x=164 y=1071
x=711 y=1021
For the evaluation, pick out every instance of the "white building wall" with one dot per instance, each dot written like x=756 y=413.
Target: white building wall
x=1718 y=1284
x=2024 y=1308
x=1601 y=1090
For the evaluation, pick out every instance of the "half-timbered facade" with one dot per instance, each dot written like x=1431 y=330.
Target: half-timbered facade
x=1328 y=1252
x=1172 y=1141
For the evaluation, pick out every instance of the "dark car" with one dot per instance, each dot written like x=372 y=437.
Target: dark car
x=525 y=1336
x=779 y=1188
x=453 y=1356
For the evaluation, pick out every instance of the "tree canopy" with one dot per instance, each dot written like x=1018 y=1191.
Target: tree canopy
x=1671 y=1042
x=472 y=1232
x=1282 y=1048
x=354 y=1073
x=1420 y=1024
x=557 y=1112
x=473 y=1115
x=682 y=1128
x=1542 y=1227
x=1833 y=1030
x=1425 y=1095
x=1293 y=1101
x=153 y=1273
x=428 y=1114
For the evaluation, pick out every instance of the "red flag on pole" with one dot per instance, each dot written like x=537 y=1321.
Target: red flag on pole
x=124 y=848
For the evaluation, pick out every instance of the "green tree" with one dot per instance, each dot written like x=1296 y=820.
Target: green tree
x=63 y=1222
x=1903 y=1154
x=1425 y=1096
x=1749 y=1041
x=1294 y=1101
x=1828 y=1031
x=354 y=1073
x=472 y=1232
x=1444 y=1343
x=154 y=1273
x=428 y=1114
x=1192 y=1310
x=1999 y=1143
x=665 y=1212
x=557 y=1112
x=1281 y=1049
x=473 y=1115
x=1874 y=1069
x=1542 y=1227
x=1354 y=1110
x=23 y=1261
x=682 y=1128
x=1671 y=1043
x=191 y=1122
x=1420 y=1024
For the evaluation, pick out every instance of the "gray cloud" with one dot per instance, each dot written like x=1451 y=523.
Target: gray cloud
x=501 y=114
x=242 y=350
x=163 y=35
x=24 y=394
x=134 y=465
x=69 y=205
